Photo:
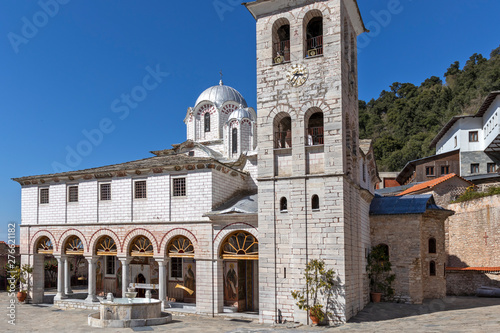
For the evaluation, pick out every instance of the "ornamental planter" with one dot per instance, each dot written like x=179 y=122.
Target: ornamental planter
x=21 y=296
x=376 y=297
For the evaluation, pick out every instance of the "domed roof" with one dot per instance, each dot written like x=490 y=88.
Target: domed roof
x=240 y=114
x=221 y=94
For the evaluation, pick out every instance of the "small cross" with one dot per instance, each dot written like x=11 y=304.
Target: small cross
x=485 y=238
x=221 y=75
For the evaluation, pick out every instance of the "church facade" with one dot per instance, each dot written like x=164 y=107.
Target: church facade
x=228 y=219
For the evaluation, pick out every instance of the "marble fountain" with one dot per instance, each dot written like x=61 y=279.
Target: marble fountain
x=129 y=312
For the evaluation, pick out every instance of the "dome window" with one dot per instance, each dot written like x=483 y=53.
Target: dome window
x=207 y=122
x=234 y=140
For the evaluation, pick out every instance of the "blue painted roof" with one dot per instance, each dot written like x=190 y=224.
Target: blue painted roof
x=408 y=204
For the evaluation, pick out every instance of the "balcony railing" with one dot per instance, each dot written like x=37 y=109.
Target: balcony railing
x=283 y=139
x=314 y=46
x=281 y=52
x=315 y=136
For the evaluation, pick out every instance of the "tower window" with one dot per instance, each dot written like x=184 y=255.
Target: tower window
x=432 y=268
x=283 y=205
x=315 y=202
x=207 y=122
x=314 y=37
x=315 y=129
x=234 y=140
x=432 y=245
x=283 y=133
x=281 y=41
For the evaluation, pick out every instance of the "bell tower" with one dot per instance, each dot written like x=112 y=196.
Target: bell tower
x=311 y=204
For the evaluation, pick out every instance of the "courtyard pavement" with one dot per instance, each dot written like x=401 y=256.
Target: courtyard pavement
x=452 y=314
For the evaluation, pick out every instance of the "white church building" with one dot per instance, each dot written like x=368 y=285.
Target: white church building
x=228 y=219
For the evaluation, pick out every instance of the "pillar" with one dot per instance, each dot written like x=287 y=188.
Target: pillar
x=162 y=278
x=125 y=274
x=67 y=276
x=60 y=279
x=91 y=280
x=38 y=276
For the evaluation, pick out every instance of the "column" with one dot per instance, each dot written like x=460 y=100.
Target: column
x=162 y=278
x=60 y=279
x=67 y=276
x=125 y=274
x=91 y=280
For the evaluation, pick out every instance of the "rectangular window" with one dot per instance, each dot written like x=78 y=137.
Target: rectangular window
x=110 y=265
x=44 y=195
x=179 y=187
x=105 y=192
x=491 y=167
x=456 y=141
x=474 y=168
x=429 y=171
x=73 y=193
x=176 y=268
x=473 y=137
x=445 y=169
x=140 y=189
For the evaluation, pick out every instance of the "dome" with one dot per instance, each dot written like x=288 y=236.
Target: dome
x=221 y=94
x=240 y=114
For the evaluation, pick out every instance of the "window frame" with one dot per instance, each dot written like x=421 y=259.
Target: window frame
x=69 y=198
x=170 y=271
x=173 y=189
x=445 y=167
x=114 y=266
x=100 y=191
x=474 y=168
x=431 y=169
x=207 y=124
x=41 y=196
x=473 y=136
x=234 y=140
x=491 y=168
x=145 y=195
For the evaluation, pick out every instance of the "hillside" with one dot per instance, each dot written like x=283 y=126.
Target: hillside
x=403 y=121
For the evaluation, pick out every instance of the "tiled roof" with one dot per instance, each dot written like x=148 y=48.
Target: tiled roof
x=474 y=269
x=430 y=184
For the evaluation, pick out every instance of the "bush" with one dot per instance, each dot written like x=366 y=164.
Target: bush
x=471 y=194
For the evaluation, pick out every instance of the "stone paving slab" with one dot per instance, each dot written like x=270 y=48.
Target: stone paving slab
x=453 y=314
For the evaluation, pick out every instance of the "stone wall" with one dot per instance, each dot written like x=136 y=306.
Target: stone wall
x=465 y=283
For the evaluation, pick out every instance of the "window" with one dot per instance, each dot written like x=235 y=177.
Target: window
x=314 y=37
x=445 y=169
x=432 y=268
x=283 y=131
x=207 y=122
x=105 y=192
x=473 y=137
x=191 y=153
x=179 y=187
x=283 y=205
x=432 y=245
x=315 y=202
x=315 y=129
x=140 y=189
x=234 y=140
x=176 y=268
x=73 y=193
x=491 y=167
x=456 y=142
x=364 y=172
x=110 y=262
x=44 y=196
x=474 y=168
x=385 y=247
x=429 y=171
x=281 y=41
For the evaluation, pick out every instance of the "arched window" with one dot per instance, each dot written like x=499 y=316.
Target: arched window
x=432 y=268
x=385 y=247
x=281 y=41
x=315 y=130
x=283 y=132
x=315 y=202
x=240 y=245
x=44 y=246
x=314 y=37
x=141 y=247
x=283 y=204
x=234 y=140
x=432 y=245
x=207 y=122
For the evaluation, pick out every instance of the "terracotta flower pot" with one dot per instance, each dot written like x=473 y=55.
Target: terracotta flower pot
x=376 y=297
x=314 y=319
x=21 y=296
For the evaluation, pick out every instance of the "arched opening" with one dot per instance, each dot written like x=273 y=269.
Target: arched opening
x=432 y=268
x=107 y=270
x=234 y=140
x=78 y=272
x=315 y=202
x=385 y=247
x=281 y=41
x=283 y=131
x=315 y=129
x=141 y=247
x=181 y=284
x=314 y=35
x=432 y=245
x=48 y=278
x=240 y=254
x=283 y=205
x=207 y=122
x=143 y=267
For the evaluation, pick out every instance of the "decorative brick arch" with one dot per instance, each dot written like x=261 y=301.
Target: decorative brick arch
x=72 y=232
x=308 y=12
x=102 y=232
x=231 y=228
x=315 y=104
x=177 y=232
x=281 y=108
x=138 y=232
x=38 y=235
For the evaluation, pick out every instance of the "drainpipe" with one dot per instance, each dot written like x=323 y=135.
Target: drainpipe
x=307 y=243
x=213 y=290
x=275 y=255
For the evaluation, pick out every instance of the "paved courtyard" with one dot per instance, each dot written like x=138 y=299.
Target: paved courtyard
x=453 y=314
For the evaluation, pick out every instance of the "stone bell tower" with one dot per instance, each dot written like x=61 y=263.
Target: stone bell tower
x=311 y=203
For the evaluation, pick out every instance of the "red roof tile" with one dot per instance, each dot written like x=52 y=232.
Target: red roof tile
x=431 y=183
x=474 y=269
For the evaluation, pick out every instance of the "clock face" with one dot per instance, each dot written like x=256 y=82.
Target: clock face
x=297 y=75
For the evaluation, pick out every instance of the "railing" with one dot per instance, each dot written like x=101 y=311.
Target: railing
x=314 y=46
x=315 y=136
x=283 y=139
x=281 y=52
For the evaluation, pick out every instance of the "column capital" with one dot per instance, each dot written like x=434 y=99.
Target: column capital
x=162 y=260
x=125 y=260
x=92 y=259
x=60 y=256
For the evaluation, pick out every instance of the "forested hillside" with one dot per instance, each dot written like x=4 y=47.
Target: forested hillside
x=403 y=121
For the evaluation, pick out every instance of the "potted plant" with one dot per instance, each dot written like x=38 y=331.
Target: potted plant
x=379 y=271
x=319 y=282
x=20 y=275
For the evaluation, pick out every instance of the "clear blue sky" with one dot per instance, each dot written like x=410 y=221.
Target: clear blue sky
x=65 y=73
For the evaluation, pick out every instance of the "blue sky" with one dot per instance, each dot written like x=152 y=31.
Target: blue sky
x=67 y=73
